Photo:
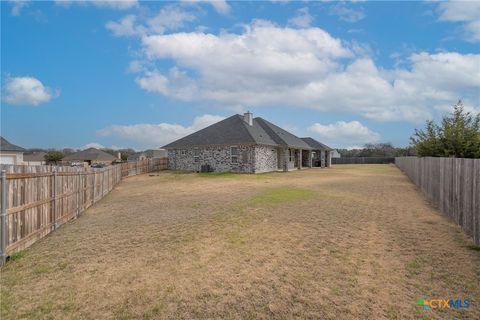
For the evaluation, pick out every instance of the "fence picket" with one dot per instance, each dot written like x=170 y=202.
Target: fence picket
x=38 y=199
x=451 y=184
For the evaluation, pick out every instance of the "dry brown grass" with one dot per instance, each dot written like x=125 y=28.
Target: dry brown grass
x=351 y=242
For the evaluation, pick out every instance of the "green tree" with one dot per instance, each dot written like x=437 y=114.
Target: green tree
x=458 y=136
x=54 y=156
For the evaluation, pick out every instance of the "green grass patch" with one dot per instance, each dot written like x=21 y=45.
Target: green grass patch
x=220 y=174
x=281 y=195
x=42 y=269
x=413 y=267
x=17 y=256
x=474 y=247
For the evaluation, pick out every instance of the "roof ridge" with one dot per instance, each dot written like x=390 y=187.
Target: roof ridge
x=246 y=128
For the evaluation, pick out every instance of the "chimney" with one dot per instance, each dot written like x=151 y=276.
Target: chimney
x=248 y=118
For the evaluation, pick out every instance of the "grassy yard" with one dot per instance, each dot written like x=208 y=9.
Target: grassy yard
x=350 y=242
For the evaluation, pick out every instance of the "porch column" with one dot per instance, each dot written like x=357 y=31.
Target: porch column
x=329 y=158
x=300 y=159
x=310 y=160
x=285 y=159
x=323 y=159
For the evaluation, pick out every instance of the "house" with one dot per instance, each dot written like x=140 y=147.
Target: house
x=321 y=154
x=148 y=154
x=10 y=153
x=240 y=144
x=35 y=158
x=89 y=156
x=336 y=154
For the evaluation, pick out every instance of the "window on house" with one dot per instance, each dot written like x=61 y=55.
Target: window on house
x=184 y=152
x=245 y=156
x=196 y=155
x=291 y=155
x=234 y=154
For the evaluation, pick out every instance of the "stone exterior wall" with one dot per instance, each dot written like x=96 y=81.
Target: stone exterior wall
x=266 y=159
x=250 y=159
x=218 y=157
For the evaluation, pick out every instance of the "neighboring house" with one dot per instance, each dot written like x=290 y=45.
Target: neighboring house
x=322 y=154
x=148 y=154
x=240 y=144
x=10 y=153
x=336 y=154
x=35 y=158
x=89 y=156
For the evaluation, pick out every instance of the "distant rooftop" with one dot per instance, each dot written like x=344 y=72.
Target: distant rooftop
x=90 y=154
x=34 y=156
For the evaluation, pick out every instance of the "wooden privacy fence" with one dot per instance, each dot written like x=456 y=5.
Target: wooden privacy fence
x=452 y=185
x=35 y=200
x=363 y=160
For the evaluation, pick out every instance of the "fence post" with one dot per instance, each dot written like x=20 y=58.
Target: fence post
x=78 y=192
x=94 y=183
x=55 y=218
x=3 y=220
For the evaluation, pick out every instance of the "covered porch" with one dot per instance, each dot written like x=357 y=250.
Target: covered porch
x=294 y=159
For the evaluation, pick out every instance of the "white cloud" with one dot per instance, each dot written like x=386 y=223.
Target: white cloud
x=17 y=7
x=170 y=17
x=343 y=133
x=467 y=12
x=302 y=19
x=268 y=65
x=156 y=135
x=93 y=145
x=221 y=6
x=125 y=27
x=110 y=4
x=26 y=91
x=347 y=13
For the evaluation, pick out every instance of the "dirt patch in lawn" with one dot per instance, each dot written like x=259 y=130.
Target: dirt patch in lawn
x=350 y=242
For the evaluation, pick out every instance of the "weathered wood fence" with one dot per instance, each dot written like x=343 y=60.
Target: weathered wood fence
x=35 y=200
x=363 y=160
x=452 y=185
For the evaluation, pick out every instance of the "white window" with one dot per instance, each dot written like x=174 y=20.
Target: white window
x=196 y=159
x=184 y=152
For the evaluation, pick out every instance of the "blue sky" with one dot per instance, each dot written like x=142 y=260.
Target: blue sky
x=141 y=74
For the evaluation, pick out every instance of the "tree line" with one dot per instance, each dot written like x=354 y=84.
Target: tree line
x=457 y=135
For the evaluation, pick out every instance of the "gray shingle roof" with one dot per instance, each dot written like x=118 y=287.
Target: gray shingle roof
x=234 y=130
x=7 y=146
x=35 y=156
x=90 y=154
x=282 y=137
x=316 y=145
